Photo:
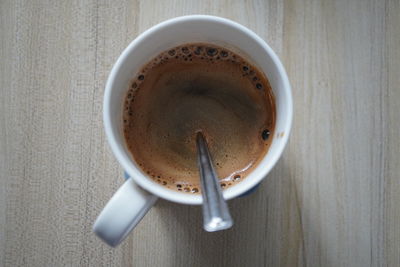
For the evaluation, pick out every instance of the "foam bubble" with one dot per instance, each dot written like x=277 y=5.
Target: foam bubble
x=195 y=190
x=211 y=51
x=265 y=134
x=223 y=53
x=198 y=50
x=185 y=50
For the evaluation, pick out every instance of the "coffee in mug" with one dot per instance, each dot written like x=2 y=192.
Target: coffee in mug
x=198 y=87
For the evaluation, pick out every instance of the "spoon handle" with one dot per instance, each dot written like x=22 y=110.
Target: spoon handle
x=216 y=214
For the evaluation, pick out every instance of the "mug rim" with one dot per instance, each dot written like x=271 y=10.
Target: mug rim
x=127 y=164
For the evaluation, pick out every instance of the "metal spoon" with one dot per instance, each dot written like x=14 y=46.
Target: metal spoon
x=216 y=214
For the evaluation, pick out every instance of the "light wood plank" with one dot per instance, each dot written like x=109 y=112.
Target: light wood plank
x=332 y=200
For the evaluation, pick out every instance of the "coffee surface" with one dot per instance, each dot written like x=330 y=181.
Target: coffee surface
x=198 y=87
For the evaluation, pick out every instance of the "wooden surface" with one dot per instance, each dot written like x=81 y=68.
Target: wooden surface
x=332 y=200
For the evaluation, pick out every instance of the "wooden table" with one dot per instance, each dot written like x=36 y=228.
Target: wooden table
x=332 y=200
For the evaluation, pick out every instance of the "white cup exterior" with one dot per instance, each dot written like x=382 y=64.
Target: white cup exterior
x=190 y=29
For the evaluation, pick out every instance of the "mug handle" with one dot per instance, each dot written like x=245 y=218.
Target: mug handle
x=123 y=212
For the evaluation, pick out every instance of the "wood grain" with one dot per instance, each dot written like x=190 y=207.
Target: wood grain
x=332 y=200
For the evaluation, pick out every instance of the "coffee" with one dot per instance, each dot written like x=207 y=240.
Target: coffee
x=198 y=87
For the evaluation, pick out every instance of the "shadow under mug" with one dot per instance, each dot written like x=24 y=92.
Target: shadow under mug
x=139 y=193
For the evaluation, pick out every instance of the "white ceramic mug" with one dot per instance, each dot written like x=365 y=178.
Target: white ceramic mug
x=139 y=193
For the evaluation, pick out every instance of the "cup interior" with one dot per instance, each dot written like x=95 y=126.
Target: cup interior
x=190 y=29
